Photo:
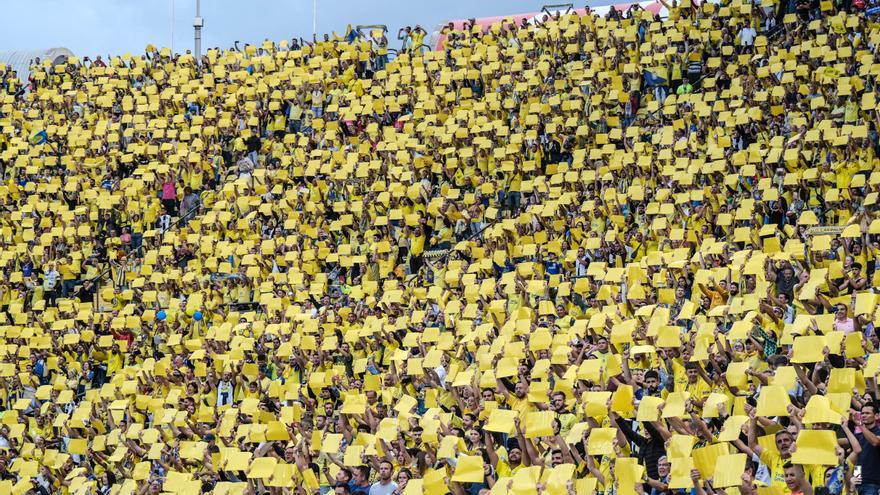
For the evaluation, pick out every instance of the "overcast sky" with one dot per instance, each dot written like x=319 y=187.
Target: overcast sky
x=91 y=27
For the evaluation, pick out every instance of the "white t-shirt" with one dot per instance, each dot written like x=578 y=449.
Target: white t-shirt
x=380 y=489
x=747 y=36
x=164 y=223
x=50 y=279
x=225 y=393
x=441 y=373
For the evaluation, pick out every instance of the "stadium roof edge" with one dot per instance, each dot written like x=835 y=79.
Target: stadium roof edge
x=20 y=60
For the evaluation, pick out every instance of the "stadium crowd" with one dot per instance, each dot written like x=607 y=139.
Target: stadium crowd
x=605 y=254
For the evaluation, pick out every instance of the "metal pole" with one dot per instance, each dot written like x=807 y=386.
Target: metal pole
x=172 y=26
x=197 y=24
x=314 y=17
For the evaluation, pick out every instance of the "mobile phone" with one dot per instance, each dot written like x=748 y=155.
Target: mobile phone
x=857 y=472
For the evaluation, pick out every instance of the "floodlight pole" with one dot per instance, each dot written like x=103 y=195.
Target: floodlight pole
x=198 y=22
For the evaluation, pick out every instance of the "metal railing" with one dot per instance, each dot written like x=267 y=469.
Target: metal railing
x=473 y=235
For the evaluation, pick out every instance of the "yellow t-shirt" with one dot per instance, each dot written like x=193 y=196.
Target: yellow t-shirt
x=503 y=469
x=775 y=464
x=699 y=390
x=520 y=405
x=417 y=245
x=114 y=363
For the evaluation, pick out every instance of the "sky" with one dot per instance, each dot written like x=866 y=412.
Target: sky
x=92 y=27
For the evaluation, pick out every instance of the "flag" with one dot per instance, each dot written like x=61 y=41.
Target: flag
x=349 y=36
x=652 y=79
x=39 y=137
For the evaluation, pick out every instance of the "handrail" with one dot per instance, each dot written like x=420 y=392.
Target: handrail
x=470 y=237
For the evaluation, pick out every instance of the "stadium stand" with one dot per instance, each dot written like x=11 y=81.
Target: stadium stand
x=578 y=254
x=21 y=60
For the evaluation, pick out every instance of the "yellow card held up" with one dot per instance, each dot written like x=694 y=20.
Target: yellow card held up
x=469 y=469
x=559 y=477
x=675 y=404
x=819 y=410
x=706 y=458
x=77 y=446
x=622 y=401
x=539 y=424
x=262 y=467
x=773 y=401
x=331 y=443
x=680 y=474
x=808 y=349
x=732 y=428
x=601 y=440
x=729 y=470
x=629 y=472
x=815 y=447
x=649 y=408
x=501 y=421
x=680 y=446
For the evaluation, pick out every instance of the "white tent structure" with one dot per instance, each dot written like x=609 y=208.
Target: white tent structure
x=20 y=60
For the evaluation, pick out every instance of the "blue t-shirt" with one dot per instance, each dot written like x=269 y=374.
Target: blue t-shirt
x=869 y=459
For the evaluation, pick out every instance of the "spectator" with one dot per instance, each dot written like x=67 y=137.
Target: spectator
x=189 y=203
x=50 y=284
x=869 y=441
x=747 y=35
x=384 y=486
x=169 y=194
x=515 y=258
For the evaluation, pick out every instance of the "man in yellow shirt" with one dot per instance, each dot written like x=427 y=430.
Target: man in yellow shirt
x=68 y=271
x=114 y=360
x=691 y=382
x=565 y=417
x=777 y=460
x=717 y=293
x=518 y=400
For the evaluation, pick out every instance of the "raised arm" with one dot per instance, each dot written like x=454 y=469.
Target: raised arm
x=753 y=432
